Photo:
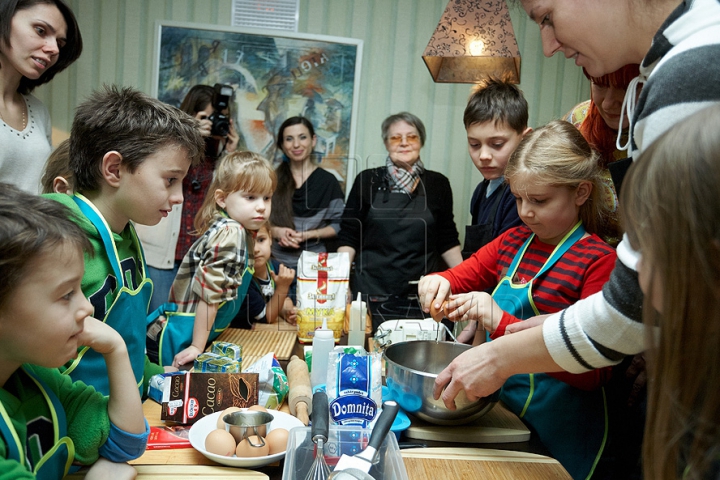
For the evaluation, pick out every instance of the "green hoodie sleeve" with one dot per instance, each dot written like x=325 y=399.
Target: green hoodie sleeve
x=150 y=370
x=12 y=470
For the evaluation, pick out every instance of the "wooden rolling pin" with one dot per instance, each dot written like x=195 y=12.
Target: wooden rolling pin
x=300 y=394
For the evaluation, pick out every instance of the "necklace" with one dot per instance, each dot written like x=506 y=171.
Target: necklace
x=24 y=119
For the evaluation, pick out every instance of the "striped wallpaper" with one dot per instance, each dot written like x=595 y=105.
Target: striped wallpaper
x=119 y=40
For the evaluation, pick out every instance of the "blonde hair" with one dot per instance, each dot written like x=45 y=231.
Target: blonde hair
x=244 y=171
x=57 y=165
x=671 y=211
x=558 y=155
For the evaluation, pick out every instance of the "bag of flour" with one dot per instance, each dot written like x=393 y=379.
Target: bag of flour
x=322 y=292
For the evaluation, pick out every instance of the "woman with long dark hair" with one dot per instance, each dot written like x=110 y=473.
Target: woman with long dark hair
x=38 y=39
x=308 y=201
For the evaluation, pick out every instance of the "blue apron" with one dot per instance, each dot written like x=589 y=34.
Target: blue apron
x=126 y=315
x=177 y=332
x=570 y=422
x=56 y=463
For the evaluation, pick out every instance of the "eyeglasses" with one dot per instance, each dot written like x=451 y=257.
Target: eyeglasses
x=411 y=138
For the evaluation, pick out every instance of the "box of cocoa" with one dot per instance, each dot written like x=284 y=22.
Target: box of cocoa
x=188 y=398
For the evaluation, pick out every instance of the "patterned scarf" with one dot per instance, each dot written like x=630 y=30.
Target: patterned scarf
x=404 y=180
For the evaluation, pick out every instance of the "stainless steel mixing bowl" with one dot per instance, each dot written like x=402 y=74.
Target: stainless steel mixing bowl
x=410 y=372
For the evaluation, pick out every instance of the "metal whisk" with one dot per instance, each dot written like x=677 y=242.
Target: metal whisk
x=319 y=432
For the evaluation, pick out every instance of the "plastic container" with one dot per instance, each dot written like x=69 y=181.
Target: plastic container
x=347 y=440
x=322 y=344
x=358 y=313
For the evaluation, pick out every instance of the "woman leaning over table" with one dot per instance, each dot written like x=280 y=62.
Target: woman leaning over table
x=308 y=201
x=398 y=222
x=38 y=39
x=678 y=44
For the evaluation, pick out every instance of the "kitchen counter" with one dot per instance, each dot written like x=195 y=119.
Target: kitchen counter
x=505 y=452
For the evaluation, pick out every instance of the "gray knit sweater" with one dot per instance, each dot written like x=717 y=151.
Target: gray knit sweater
x=681 y=75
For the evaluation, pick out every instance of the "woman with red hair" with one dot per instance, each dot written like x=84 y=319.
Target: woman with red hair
x=598 y=119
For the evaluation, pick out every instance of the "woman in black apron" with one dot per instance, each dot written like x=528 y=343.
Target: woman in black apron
x=398 y=221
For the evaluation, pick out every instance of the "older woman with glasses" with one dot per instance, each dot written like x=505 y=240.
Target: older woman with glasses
x=398 y=220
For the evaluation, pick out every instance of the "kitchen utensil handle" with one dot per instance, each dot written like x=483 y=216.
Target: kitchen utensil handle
x=383 y=424
x=320 y=416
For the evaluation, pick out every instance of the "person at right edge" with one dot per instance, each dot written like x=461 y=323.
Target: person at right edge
x=671 y=38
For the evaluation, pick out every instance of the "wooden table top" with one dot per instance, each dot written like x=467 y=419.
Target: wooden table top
x=421 y=463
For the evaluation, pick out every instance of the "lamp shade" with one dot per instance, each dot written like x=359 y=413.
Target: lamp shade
x=473 y=40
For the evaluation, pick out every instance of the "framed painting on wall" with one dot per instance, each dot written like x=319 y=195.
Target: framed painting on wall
x=274 y=76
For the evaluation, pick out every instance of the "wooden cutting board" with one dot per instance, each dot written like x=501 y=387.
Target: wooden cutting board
x=175 y=472
x=475 y=463
x=255 y=344
x=499 y=425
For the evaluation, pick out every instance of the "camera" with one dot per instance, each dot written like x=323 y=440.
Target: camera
x=220 y=102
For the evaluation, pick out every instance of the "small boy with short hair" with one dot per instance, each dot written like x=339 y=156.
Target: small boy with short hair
x=128 y=156
x=47 y=421
x=267 y=299
x=57 y=177
x=495 y=118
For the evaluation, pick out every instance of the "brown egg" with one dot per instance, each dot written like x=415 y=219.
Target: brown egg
x=220 y=442
x=438 y=314
x=221 y=422
x=277 y=440
x=259 y=408
x=245 y=450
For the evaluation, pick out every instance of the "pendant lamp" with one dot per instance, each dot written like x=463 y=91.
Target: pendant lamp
x=473 y=40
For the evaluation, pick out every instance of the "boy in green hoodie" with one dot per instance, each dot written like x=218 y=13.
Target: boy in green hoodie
x=128 y=155
x=48 y=424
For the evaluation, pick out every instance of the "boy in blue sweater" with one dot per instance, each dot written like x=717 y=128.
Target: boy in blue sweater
x=496 y=120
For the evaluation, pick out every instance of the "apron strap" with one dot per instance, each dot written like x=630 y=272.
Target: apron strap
x=518 y=257
x=568 y=241
x=91 y=212
x=16 y=450
x=94 y=215
x=56 y=409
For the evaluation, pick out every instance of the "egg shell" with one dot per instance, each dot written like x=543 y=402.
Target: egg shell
x=277 y=440
x=220 y=442
x=438 y=314
x=259 y=408
x=245 y=450
x=221 y=422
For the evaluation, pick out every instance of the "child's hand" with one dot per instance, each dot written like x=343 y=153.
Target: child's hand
x=104 y=468
x=289 y=312
x=468 y=333
x=433 y=288
x=284 y=277
x=478 y=306
x=100 y=337
x=186 y=356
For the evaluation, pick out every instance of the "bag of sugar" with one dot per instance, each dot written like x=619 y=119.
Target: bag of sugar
x=354 y=388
